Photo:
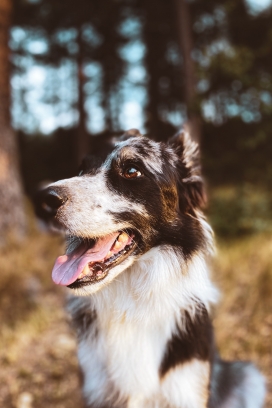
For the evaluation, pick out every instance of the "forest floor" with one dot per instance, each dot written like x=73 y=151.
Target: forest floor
x=37 y=347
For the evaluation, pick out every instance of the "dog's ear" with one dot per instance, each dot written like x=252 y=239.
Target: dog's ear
x=190 y=181
x=130 y=133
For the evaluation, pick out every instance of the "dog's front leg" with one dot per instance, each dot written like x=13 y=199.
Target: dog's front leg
x=187 y=385
x=98 y=389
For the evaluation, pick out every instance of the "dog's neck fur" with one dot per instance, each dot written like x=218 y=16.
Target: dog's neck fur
x=158 y=285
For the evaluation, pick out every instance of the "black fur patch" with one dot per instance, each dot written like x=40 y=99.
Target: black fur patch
x=82 y=320
x=193 y=342
x=184 y=233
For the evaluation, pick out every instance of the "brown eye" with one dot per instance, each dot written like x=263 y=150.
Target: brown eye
x=131 y=172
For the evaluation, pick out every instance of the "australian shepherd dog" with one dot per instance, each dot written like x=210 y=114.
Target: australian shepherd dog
x=136 y=265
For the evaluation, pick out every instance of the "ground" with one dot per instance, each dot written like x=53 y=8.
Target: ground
x=37 y=346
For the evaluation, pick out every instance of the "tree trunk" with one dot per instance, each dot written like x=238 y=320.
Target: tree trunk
x=82 y=136
x=108 y=83
x=186 y=45
x=12 y=215
x=154 y=56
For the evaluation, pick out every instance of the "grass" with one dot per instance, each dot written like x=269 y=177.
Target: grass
x=37 y=348
x=243 y=318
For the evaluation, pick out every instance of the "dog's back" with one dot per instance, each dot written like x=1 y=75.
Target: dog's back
x=137 y=246
x=236 y=385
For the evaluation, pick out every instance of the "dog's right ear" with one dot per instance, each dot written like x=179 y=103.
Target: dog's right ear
x=130 y=133
x=191 y=182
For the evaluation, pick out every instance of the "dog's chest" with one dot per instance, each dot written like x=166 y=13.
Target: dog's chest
x=123 y=357
x=127 y=332
x=121 y=367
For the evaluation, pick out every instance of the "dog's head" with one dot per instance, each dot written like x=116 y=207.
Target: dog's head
x=142 y=195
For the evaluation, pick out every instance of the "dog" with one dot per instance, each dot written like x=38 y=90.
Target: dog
x=136 y=263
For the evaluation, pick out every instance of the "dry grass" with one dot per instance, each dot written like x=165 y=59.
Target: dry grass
x=243 y=319
x=37 y=349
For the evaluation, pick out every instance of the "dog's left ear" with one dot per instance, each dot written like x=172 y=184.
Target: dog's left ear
x=191 y=182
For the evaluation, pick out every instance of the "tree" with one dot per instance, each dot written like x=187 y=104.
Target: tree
x=163 y=66
x=11 y=196
x=184 y=34
x=97 y=40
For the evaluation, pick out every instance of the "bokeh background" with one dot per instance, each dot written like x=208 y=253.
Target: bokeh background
x=73 y=73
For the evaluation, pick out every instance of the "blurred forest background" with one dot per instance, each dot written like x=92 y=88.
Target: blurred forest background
x=74 y=73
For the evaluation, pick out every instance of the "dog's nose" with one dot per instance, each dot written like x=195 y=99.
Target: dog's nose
x=52 y=201
x=48 y=201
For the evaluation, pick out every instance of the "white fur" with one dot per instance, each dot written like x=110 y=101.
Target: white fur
x=190 y=153
x=156 y=285
x=187 y=385
x=136 y=315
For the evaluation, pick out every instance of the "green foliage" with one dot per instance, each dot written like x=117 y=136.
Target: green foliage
x=236 y=152
x=233 y=63
x=237 y=211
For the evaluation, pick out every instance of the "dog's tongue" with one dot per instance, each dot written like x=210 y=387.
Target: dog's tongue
x=67 y=268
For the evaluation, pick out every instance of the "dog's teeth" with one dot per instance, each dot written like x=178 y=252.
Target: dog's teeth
x=86 y=271
x=117 y=245
x=123 y=237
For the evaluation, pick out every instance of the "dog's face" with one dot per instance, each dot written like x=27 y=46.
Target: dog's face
x=144 y=194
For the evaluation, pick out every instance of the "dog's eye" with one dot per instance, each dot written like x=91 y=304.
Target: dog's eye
x=131 y=172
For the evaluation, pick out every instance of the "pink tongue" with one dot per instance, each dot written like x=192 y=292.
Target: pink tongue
x=67 y=268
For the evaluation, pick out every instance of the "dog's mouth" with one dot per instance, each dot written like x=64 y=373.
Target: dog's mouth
x=91 y=260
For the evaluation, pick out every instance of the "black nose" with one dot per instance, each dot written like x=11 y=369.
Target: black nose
x=48 y=201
